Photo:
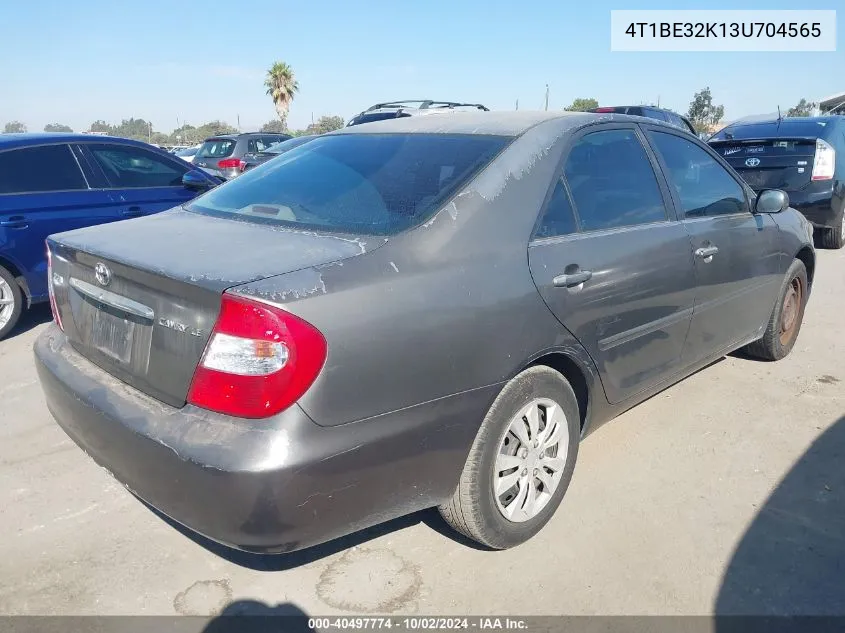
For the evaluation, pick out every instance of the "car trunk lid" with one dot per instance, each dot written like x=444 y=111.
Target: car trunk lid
x=140 y=305
x=783 y=162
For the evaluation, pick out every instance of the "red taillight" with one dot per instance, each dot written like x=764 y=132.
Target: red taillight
x=52 y=292
x=604 y=110
x=229 y=163
x=258 y=361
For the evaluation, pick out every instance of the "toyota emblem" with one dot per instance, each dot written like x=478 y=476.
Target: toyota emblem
x=102 y=273
x=752 y=162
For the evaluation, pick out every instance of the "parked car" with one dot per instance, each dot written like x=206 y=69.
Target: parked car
x=51 y=183
x=412 y=313
x=187 y=154
x=798 y=155
x=401 y=109
x=225 y=156
x=652 y=112
x=275 y=150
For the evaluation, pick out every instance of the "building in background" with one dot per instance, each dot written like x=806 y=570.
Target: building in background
x=834 y=104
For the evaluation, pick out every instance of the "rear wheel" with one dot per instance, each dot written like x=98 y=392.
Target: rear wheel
x=834 y=238
x=785 y=322
x=11 y=302
x=521 y=462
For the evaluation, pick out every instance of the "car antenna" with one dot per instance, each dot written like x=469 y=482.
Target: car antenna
x=780 y=117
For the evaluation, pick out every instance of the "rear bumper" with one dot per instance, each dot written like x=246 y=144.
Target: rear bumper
x=819 y=208
x=270 y=486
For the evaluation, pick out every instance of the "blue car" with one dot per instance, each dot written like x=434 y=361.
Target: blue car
x=51 y=183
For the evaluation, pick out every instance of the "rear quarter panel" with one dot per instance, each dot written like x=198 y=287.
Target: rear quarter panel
x=442 y=309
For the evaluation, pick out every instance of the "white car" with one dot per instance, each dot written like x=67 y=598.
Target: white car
x=188 y=153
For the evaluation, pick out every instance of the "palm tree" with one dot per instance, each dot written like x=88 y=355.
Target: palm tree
x=281 y=86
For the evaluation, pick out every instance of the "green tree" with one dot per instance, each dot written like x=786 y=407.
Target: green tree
x=57 y=127
x=281 y=86
x=214 y=128
x=702 y=113
x=186 y=134
x=14 y=127
x=802 y=108
x=274 y=126
x=325 y=124
x=582 y=104
x=100 y=127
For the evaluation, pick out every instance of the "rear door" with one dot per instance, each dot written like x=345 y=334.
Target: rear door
x=737 y=255
x=613 y=264
x=42 y=191
x=137 y=181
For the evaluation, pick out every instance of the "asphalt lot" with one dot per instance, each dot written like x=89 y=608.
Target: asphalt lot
x=725 y=493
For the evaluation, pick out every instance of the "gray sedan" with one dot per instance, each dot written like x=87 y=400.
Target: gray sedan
x=430 y=311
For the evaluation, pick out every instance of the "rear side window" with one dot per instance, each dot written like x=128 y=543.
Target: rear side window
x=376 y=184
x=40 y=169
x=216 y=148
x=612 y=181
x=703 y=186
x=559 y=219
x=133 y=167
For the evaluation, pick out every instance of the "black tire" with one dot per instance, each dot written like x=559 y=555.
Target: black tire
x=777 y=341
x=833 y=238
x=17 y=306
x=473 y=511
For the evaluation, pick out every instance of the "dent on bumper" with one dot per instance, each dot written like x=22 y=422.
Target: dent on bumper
x=276 y=485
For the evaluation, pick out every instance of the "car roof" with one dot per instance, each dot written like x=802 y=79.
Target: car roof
x=497 y=123
x=8 y=141
x=238 y=135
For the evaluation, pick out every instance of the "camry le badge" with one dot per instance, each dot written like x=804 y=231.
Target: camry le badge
x=752 y=162
x=102 y=274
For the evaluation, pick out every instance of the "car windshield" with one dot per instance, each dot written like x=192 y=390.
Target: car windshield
x=285 y=146
x=216 y=148
x=188 y=151
x=376 y=184
x=771 y=129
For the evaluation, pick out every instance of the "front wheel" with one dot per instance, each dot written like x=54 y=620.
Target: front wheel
x=785 y=322
x=521 y=462
x=11 y=302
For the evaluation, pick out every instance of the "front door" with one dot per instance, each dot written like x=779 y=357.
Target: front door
x=613 y=264
x=737 y=257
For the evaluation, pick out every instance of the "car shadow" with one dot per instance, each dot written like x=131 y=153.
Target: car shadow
x=283 y=562
x=31 y=318
x=791 y=559
x=252 y=616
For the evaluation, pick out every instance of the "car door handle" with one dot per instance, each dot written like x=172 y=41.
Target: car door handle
x=706 y=252
x=15 y=222
x=131 y=212
x=572 y=279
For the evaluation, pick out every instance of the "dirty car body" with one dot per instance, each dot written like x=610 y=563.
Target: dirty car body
x=426 y=309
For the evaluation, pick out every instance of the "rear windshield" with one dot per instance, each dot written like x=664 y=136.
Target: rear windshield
x=216 y=148
x=286 y=146
x=376 y=184
x=770 y=129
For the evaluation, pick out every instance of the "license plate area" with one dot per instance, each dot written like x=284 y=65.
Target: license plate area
x=111 y=328
x=112 y=334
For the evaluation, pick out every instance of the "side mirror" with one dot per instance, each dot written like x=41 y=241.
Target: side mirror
x=196 y=181
x=771 y=201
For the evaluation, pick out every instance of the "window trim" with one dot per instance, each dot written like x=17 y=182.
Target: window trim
x=569 y=143
x=50 y=191
x=679 y=207
x=91 y=160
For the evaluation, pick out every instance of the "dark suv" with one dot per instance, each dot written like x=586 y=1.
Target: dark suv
x=797 y=155
x=225 y=156
x=661 y=114
x=402 y=109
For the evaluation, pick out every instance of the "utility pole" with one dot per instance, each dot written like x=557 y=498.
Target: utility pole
x=547 y=96
x=517 y=104
x=239 y=123
x=150 y=133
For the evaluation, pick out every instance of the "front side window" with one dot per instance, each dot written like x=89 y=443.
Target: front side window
x=377 y=184
x=134 y=167
x=703 y=186
x=612 y=181
x=40 y=169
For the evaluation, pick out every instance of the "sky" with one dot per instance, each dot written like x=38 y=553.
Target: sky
x=170 y=62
